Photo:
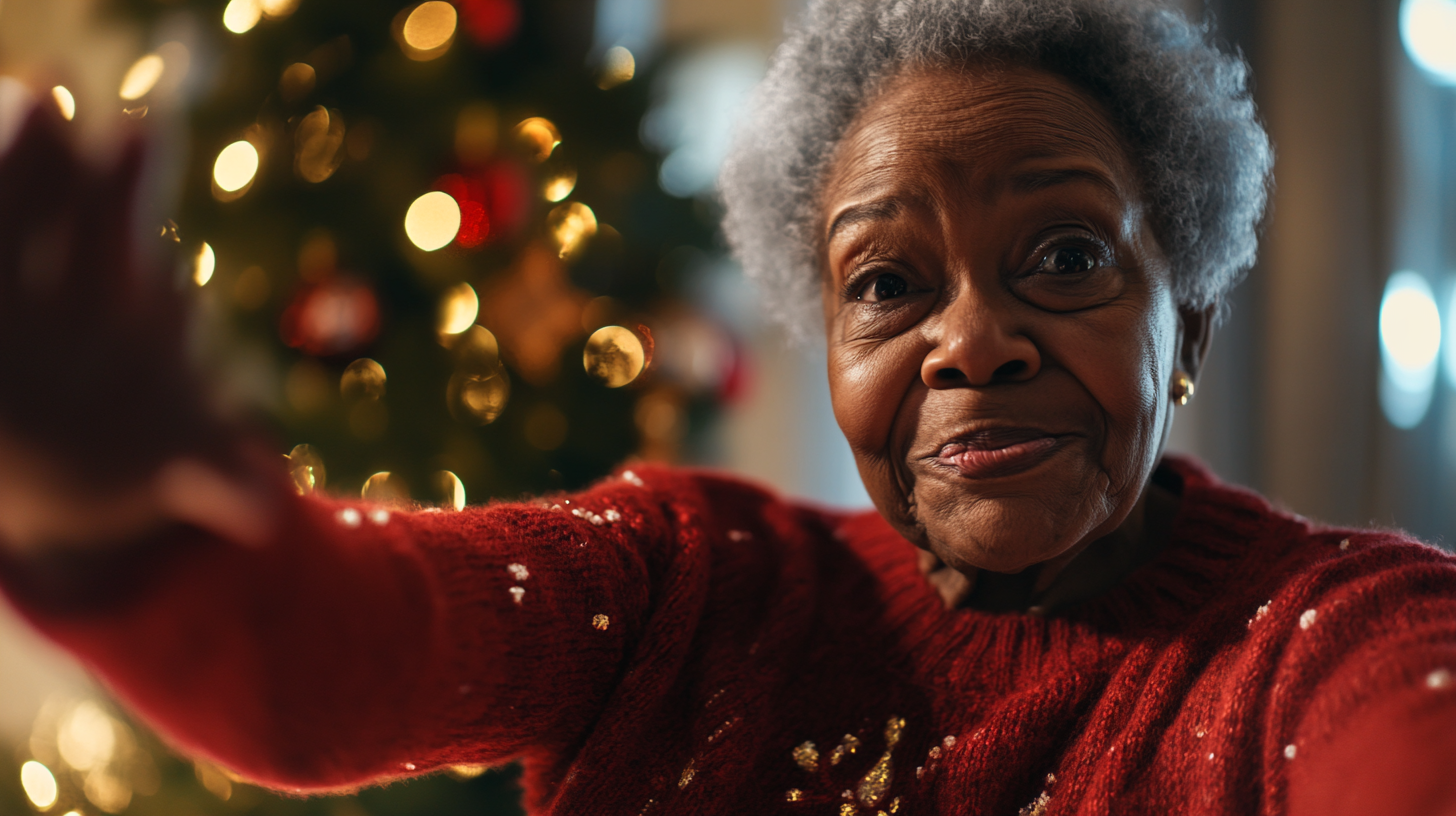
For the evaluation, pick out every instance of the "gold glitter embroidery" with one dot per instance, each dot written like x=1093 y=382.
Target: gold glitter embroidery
x=1037 y=807
x=893 y=729
x=847 y=746
x=846 y=810
x=895 y=805
x=794 y=795
x=807 y=756
x=601 y=621
x=876 y=783
x=687 y=776
x=935 y=752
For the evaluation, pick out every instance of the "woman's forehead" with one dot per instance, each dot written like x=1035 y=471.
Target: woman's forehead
x=986 y=127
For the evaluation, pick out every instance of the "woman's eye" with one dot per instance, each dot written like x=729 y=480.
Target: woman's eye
x=1068 y=260
x=885 y=286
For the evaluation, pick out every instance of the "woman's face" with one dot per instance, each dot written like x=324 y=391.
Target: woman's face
x=1001 y=331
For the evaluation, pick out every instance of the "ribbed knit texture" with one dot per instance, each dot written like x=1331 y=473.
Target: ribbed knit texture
x=664 y=642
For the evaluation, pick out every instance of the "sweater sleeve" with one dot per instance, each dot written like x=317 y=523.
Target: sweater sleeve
x=1374 y=658
x=366 y=643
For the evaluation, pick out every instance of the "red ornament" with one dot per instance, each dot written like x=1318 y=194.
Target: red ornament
x=495 y=199
x=490 y=23
x=335 y=317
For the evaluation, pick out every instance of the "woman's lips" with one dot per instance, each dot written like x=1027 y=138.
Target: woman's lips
x=1002 y=452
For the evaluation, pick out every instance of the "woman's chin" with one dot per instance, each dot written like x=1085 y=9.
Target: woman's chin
x=1002 y=535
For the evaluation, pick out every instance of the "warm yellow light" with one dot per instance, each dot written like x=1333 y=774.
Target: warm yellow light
x=432 y=221
x=39 y=784
x=571 y=224
x=141 y=77
x=458 y=308
x=277 y=9
x=385 y=487
x=478 y=397
x=65 y=101
x=87 y=737
x=241 y=15
x=235 y=166
x=363 y=379
x=618 y=66
x=205 y=264
x=429 y=28
x=560 y=185
x=307 y=469
x=452 y=494
x=614 y=355
x=540 y=136
x=318 y=144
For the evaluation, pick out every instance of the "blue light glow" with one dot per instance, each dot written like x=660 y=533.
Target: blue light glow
x=1428 y=29
x=1410 y=342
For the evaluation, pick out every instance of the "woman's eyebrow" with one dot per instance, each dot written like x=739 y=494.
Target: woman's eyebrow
x=1030 y=181
x=877 y=210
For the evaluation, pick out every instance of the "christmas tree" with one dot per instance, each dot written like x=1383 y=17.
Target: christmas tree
x=429 y=247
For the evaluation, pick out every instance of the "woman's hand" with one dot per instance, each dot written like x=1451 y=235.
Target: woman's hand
x=105 y=428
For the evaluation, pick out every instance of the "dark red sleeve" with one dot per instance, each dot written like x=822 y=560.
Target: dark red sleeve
x=365 y=643
x=1376 y=688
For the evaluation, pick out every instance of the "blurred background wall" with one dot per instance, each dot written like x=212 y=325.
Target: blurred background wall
x=1331 y=387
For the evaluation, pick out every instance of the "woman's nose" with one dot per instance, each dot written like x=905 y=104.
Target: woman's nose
x=976 y=346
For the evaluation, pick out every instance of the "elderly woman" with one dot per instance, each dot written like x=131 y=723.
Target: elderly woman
x=1016 y=219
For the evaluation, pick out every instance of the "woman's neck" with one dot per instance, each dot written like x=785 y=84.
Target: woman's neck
x=1089 y=571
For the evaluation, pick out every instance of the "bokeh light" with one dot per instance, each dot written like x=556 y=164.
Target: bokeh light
x=363 y=379
x=298 y=81
x=428 y=30
x=1428 y=29
x=306 y=468
x=87 y=736
x=571 y=225
x=65 y=101
x=614 y=355
x=141 y=77
x=450 y=491
x=204 y=264
x=478 y=397
x=618 y=66
x=432 y=221
x=235 y=166
x=39 y=784
x=277 y=9
x=386 y=488
x=560 y=184
x=475 y=349
x=458 y=309
x=539 y=136
x=318 y=144
x=475 y=133
x=1410 y=342
x=241 y=15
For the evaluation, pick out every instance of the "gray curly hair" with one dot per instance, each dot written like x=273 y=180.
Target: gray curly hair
x=1182 y=106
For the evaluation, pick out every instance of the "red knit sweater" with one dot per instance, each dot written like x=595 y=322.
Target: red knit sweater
x=677 y=642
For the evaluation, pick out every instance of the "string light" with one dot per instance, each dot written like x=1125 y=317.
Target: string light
x=235 y=166
x=560 y=185
x=428 y=30
x=204 y=265
x=277 y=9
x=385 y=487
x=458 y=309
x=478 y=397
x=363 y=379
x=319 y=142
x=306 y=467
x=39 y=784
x=618 y=66
x=571 y=224
x=452 y=494
x=241 y=15
x=540 y=137
x=432 y=221
x=614 y=356
x=141 y=77
x=65 y=101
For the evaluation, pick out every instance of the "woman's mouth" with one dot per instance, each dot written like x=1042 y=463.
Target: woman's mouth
x=997 y=452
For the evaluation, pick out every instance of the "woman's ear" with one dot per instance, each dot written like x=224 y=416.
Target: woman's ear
x=1197 y=332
